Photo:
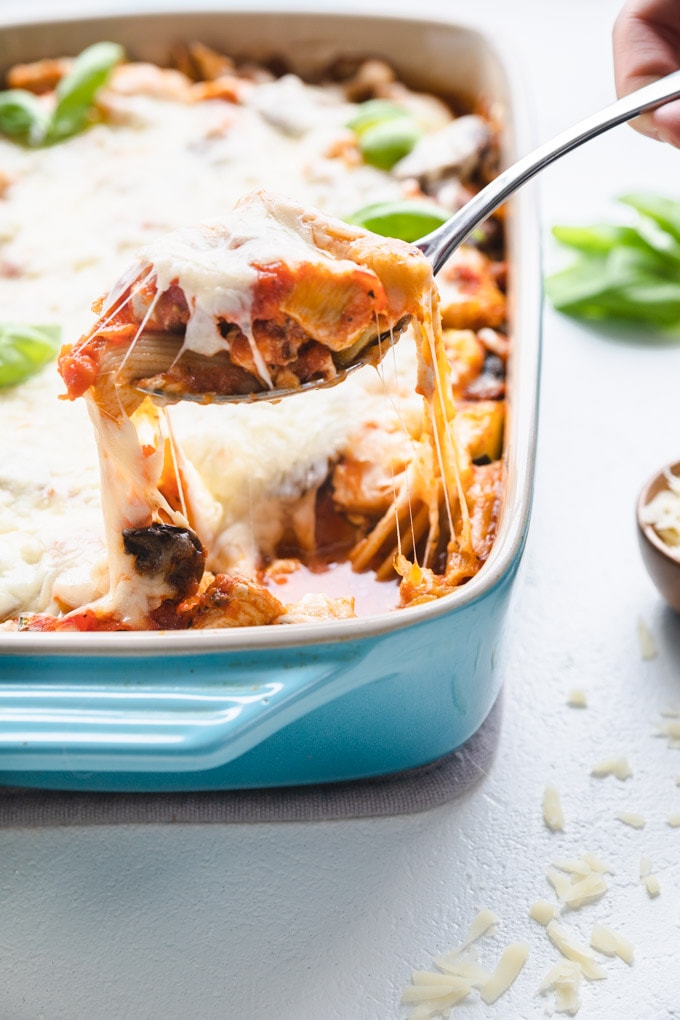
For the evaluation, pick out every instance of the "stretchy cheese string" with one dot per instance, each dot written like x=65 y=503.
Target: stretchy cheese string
x=111 y=313
x=443 y=412
x=394 y=401
x=149 y=312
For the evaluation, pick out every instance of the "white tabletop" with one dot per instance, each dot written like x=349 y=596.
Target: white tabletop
x=327 y=920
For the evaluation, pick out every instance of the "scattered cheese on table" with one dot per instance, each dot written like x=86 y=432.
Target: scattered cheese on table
x=606 y=940
x=575 y=882
x=569 y=946
x=585 y=890
x=652 y=885
x=577 y=698
x=565 y=978
x=671 y=729
x=435 y=993
x=618 y=767
x=508 y=967
x=574 y=865
x=595 y=864
x=483 y=922
x=543 y=911
x=650 y=881
x=636 y=821
x=560 y=882
x=674 y=819
x=648 y=648
x=553 y=815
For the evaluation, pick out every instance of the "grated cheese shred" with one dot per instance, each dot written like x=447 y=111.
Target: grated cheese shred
x=663 y=511
x=632 y=818
x=648 y=649
x=606 y=940
x=435 y=993
x=507 y=969
x=618 y=767
x=565 y=979
x=577 y=698
x=543 y=911
x=570 y=948
x=553 y=815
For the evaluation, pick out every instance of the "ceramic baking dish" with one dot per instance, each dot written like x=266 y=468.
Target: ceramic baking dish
x=311 y=703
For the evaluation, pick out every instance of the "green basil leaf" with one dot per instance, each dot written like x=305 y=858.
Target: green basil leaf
x=23 y=116
x=407 y=220
x=624 y=273
x=623 y=287
x=386 y=143
x=597 y=239
x=385 y=131
x=601 y=239
x=372 y=112
x=665 y=212
x=25 y=349
x=77 y=90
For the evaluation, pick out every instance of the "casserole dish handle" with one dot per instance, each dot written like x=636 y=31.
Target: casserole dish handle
x=180 y=713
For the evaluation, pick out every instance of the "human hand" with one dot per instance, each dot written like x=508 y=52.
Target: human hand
x=646 y=41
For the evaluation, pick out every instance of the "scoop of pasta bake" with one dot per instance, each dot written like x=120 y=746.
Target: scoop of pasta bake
x=271 y=299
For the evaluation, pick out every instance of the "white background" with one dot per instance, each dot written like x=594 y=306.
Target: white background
x=326 y=921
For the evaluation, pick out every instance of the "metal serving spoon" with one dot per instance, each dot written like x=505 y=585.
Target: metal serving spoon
x=440 y=244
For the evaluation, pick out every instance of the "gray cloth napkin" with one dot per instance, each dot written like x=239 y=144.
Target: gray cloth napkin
x=403 y=793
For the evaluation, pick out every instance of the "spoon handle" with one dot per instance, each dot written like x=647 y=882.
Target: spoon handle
x=438 y=245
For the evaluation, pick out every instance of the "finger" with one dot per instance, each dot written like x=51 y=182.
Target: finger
x=646 y=39
x=666 y=123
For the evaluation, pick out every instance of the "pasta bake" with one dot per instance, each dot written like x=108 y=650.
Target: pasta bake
x=235 y=205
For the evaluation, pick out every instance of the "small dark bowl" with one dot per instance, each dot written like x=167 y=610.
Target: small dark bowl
x=661 y=560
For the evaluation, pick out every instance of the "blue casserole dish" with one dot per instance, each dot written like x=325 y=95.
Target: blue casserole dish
x=310 y=703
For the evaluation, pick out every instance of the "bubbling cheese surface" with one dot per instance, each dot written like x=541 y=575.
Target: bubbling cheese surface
x=73 y=217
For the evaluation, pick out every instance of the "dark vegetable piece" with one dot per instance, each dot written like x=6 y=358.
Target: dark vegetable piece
x=175 y=555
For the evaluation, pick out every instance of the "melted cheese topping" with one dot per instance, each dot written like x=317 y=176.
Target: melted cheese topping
x=62 y=245
x=74 y=216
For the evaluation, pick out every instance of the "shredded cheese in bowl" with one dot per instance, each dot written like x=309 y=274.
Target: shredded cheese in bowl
x=663 y=512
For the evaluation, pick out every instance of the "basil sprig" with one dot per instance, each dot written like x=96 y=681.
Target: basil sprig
x=23 y=116
x=385 y=132
x=624 y=273
x=407 y=220
x=24 y=350
x=27 y=119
